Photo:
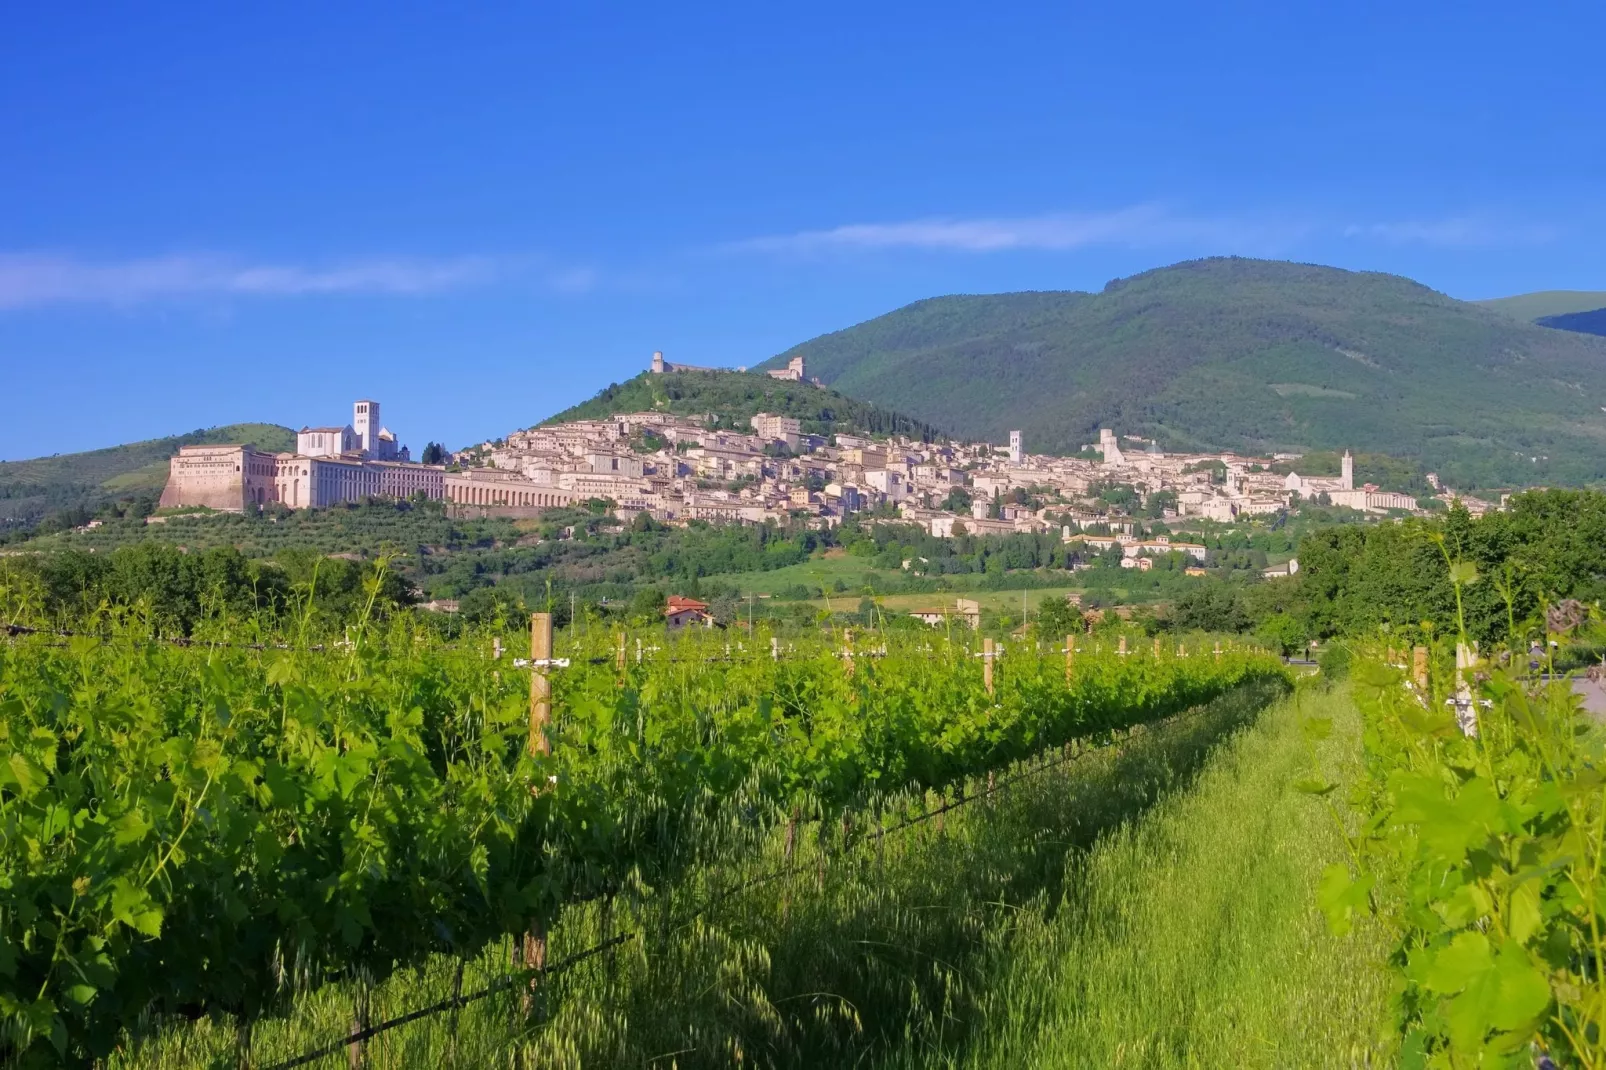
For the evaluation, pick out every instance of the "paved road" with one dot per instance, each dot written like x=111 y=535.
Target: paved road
x=1594 y=696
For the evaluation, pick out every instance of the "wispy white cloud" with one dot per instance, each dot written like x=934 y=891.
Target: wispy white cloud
x=1136 y=226
x=1146 y=226
x=28 y=279
x=1457 y=232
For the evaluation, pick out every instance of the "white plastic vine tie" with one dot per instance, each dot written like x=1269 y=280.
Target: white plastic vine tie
x=541 y=663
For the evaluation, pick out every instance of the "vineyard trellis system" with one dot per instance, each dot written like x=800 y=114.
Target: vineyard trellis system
x=181 y=822
x=513 y=979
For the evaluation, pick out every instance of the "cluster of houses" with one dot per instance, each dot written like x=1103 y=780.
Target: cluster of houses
x=679 y=469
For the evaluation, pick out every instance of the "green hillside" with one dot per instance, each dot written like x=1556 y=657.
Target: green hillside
x=735 y=397
x=32 y=489
x=1246 y=354
x=1537 y=306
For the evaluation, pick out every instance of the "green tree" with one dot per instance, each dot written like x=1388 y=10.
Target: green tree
x=1056 y=617
x=1282 y=633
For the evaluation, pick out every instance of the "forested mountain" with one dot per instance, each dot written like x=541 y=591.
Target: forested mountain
x=31 y=489
x=735 y=397
x=1592 y=322
x=1247 y=354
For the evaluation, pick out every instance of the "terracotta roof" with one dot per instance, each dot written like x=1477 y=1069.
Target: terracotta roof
x=677 y=603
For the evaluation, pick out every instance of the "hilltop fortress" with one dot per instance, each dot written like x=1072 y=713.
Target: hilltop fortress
x=793 y=371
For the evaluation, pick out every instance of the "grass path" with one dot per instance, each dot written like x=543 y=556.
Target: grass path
x=1190 y=938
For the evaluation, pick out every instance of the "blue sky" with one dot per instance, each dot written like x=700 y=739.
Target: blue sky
x=482 y=213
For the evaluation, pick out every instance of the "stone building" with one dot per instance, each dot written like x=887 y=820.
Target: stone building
x=792 y=372
x=783 y=429
x=331 y=465
x=660 y=366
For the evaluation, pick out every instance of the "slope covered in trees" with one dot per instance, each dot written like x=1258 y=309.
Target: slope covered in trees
x=1246 y=354
x=735 y=397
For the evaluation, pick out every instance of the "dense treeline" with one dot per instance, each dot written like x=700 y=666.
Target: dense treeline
x=178 y=589
x=1547 y=547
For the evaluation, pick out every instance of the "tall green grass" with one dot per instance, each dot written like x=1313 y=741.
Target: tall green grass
x=1191 y=938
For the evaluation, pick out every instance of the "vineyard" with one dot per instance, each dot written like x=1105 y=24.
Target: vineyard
x=212 y=829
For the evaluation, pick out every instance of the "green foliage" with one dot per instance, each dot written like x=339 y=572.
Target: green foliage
x=1282 y=633
x=1247 y=354
x=734 y=398
x=1473 y=854
x=1547 y=546
x=1210 y=607
x=185 y=824
x=1057 y=618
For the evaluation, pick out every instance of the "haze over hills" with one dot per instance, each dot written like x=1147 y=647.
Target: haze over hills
x=30 y=489
x=1244 y=354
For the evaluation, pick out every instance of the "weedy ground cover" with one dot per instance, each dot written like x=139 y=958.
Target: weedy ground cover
x=1191 y=937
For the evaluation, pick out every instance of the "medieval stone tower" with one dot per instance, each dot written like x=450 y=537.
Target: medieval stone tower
x=1346 y=471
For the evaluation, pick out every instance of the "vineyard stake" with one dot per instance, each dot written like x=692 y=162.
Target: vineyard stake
x=1070 y=657
x=1419 y=666
x=775 y=649
x=1218 y=649
x=540 y=684
x=1157 y=647
x=847 y=651
x=535 y=961
x=619 y=657
x=1120 y=647
x=988 y=653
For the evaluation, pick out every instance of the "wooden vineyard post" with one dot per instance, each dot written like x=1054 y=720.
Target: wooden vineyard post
x=1070 y=657
x=534 y=955
x=847 y=651
x=1419 y=666
x=619 y=658
x=540 y=683
x=533 y=942
x=775 y=649
x=1218 y=649
x=988 y=653
x=1157 y=647
x=1120 y=647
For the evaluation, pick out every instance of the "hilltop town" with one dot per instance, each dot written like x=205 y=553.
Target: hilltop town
x=678 y=468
